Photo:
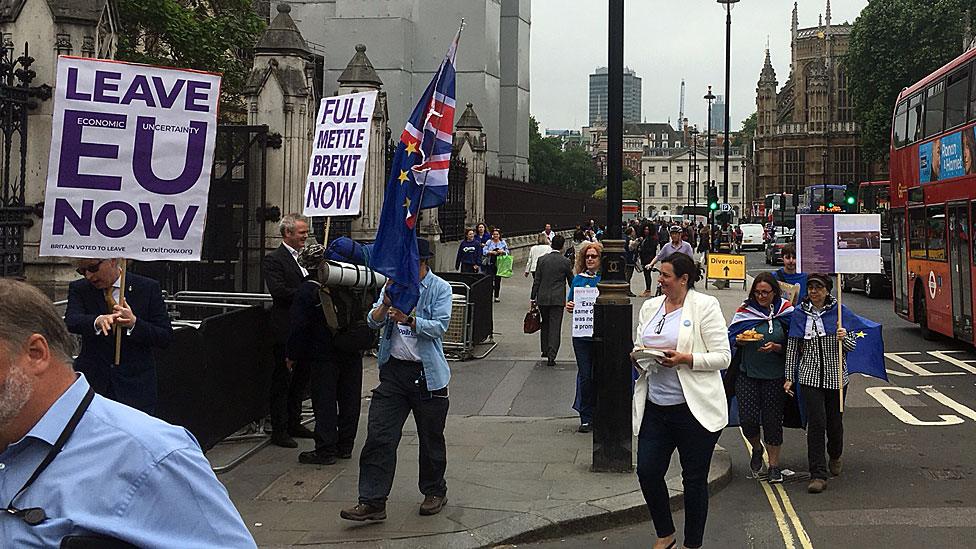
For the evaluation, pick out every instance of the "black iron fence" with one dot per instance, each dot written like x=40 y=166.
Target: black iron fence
x=450 y=216
x=518 y=207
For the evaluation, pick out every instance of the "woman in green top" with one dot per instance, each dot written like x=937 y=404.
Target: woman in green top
x=762 y=363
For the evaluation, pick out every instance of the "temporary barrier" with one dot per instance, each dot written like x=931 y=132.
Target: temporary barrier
x=466 y=331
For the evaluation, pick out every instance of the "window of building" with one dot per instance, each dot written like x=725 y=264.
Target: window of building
x=721 y=168
x=916 y=233
x=735 y=190
x=792 y=170
x=957 y=98
x=844 y=166
x=935 y=233
x=664 y=169
x=845 y=113
x=735 y=168
x=677 y=144
x=899 y=125
x=916 y=113
x=650 y=169
x=650 y=190
x=934 y=108
x=664 y=190
x=679 y=169
x=679 y=190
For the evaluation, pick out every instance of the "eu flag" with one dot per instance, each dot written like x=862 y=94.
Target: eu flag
x=868 y=356
x=417 y=180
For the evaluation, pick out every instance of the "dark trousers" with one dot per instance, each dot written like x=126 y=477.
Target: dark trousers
x=467 y=268
x=337 y=388
x=402 y=390
x=585 y=393
x=551 y=332
x=761 y=403
x=663 y=429
x=629 y=273
x=648 y=280
x=288 y=390
x=823 y=418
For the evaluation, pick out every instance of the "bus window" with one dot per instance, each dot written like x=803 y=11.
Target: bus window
x=972 y=99
x=934 y=108
x=916 y=233
x=916 y=112
x=957 y=98
x=935 y=232
x=899 y=124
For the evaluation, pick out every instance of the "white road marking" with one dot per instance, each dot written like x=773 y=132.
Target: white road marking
x=879 y=394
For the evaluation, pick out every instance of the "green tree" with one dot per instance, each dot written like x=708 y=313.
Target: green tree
x=631 y=191
x=550 y=165
x=747 y=132
x=207 y=35
x=895 y=43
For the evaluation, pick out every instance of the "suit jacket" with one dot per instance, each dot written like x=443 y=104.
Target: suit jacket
x=282 y=276
x=704 y=334
x=552 y=273
x=133 y=382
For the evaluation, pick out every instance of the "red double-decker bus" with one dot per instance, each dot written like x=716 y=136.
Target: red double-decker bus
x=933 y=199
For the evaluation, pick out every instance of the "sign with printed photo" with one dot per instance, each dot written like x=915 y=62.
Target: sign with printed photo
x=949 y=156
x=843 y=243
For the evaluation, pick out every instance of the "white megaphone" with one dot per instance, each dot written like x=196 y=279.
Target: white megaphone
x=337 y=273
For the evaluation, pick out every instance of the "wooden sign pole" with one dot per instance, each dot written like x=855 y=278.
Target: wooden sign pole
x=118 y=330
x=328 y=225
x=840 y=346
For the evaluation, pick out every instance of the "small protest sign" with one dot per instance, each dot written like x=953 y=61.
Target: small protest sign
x=583 y=300
x=131 y=155
x=338 y=163
x=845 y=243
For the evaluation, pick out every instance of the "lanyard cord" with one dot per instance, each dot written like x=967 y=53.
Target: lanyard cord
x=35 y=515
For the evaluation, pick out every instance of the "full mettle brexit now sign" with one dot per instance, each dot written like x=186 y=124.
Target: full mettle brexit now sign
x=131 y=156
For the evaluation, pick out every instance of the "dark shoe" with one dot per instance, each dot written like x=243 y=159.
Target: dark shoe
x=544 y=354
x=835 y=466
x=345 y=454
x=584 y=428
x=756 y=463
x=775 y=475
x=551 y=363
x=364 y=511
x=301 y=431
x=283 y=440
x=432 y=505
x=315 y=458
x=631 y=294
x=817 y=485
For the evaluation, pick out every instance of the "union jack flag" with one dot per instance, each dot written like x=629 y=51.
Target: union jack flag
x=417 y=180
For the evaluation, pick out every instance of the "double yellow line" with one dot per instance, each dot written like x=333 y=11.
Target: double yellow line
x=782 y=509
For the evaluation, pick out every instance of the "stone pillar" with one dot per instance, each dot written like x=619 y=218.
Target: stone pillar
x=360 y=76
x=470 y=144
x=281 y=95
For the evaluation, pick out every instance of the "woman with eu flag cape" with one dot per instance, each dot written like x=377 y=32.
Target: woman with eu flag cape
x=813 y=361
x=755 y=377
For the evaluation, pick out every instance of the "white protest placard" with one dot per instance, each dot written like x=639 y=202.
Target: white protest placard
x=341 y=146
x=583 y=300
x=131 y=155
x=840 y=243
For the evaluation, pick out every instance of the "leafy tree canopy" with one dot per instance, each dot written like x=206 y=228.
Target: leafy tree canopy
x=208 y=35
x=747 y=132
x=631 y=191
x=552 y=166
x=895 y=43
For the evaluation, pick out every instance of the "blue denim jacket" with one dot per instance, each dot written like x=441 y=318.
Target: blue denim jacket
x=433 y=313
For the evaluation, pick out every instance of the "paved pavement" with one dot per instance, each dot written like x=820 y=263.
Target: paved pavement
x=517 y=470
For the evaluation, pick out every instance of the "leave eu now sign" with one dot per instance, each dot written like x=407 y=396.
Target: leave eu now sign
x=726 y=266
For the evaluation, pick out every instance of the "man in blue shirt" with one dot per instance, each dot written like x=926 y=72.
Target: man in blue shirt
x=119 y=474
x=787 y=273
x=413 y=378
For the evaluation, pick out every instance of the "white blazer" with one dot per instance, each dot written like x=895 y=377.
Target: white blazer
x=704 y=334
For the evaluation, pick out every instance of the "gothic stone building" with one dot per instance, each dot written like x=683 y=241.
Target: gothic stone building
x=806 y=128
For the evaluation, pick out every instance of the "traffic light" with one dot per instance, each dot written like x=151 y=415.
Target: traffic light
x=712 y=198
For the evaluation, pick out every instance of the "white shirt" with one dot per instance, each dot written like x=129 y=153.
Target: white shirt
x=403 y=343
x=294 y=255
x=116 y=292
x=549 y=235
x=663 y=385
x=535 y=252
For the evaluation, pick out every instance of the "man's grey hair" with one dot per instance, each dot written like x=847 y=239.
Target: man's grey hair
x=25 y=311
x=287 y=223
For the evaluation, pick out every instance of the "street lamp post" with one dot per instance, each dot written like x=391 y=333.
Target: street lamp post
x=613 y=313
x=709 y=97
x=693 y=132
x=728 y=60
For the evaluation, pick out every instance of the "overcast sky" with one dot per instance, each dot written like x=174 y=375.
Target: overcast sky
x=665 y=41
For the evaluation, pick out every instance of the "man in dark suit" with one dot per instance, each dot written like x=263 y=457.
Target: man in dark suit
x=95 y=310
x=552 y=274
x=283 y=275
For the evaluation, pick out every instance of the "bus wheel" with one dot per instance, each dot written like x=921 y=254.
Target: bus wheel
x=870 y=288
x=920 y=314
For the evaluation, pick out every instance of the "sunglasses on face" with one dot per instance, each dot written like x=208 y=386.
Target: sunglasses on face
x=591 y=256
x=93 y=268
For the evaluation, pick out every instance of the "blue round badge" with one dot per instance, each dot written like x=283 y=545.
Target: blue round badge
x=687 y=323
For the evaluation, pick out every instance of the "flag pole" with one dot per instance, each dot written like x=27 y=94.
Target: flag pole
x=325 y=236
x=840 y=345
x=118 y=332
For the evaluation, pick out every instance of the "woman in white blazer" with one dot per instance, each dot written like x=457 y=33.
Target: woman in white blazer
x=679 y=400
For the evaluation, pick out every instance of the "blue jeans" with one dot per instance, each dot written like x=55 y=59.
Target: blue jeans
x=585 y=397
x=663 y=429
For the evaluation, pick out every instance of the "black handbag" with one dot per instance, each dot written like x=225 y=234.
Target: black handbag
x=533 y=320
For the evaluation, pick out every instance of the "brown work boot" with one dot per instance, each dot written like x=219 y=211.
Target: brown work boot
x=817 y=485
x=835 y=466
x=433 y=505
x=363 y=512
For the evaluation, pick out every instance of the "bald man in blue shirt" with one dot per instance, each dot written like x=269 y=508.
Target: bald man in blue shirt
x=119 y=474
